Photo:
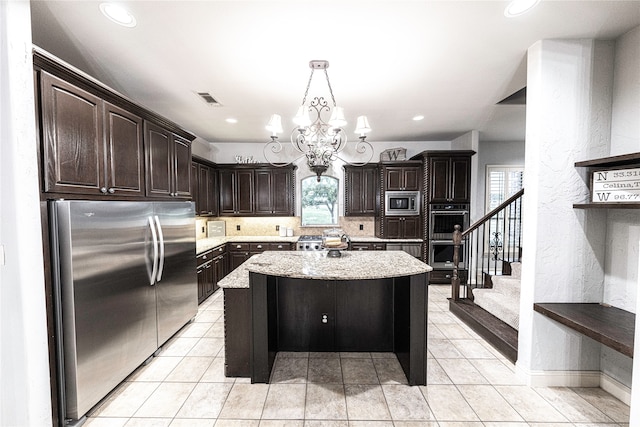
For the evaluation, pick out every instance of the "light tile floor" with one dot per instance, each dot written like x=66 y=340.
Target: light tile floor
x=469 y=384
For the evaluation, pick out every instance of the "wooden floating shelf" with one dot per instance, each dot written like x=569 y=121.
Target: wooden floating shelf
x=606 y=205
x=623 y=160
x=607 y=325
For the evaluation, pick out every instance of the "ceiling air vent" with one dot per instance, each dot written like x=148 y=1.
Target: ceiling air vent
x=208 y=99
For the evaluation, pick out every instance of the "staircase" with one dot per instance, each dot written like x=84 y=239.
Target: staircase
x=485 y=296
x=503 y=299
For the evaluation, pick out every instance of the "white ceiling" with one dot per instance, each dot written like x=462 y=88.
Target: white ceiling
x=450 y=61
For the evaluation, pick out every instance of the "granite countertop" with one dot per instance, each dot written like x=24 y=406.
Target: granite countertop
x=203 y=245
x=316 y=265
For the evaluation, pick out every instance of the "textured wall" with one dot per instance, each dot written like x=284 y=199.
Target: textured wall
x=568 y=116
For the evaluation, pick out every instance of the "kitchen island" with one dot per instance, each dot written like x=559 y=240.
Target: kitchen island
x=306 y=301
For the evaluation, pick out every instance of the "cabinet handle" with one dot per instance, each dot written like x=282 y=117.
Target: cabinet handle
x=324 y=318
x=103 y=190
x=112 y=190
x=279 y=246
x=204 y=257
x=447 y=276
x=239 y=247
x=259 y=246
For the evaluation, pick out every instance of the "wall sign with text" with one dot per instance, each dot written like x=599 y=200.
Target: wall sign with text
x=616 y=186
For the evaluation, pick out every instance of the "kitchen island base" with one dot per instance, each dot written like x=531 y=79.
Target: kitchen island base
x=390 y=315
x=295 y=308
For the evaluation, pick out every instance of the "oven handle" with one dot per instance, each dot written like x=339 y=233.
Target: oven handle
x=450 y=212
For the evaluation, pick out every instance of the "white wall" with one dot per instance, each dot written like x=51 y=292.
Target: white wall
x=25 y=398
x=623 y=226
x=568 y=112
x=225 y=152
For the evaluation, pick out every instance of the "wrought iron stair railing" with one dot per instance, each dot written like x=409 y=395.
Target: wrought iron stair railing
x=487 y=247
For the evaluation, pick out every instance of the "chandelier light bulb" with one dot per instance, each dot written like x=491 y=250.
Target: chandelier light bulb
x=275 y=124
x=362 y=126
x=302 y=117
x=337 y=117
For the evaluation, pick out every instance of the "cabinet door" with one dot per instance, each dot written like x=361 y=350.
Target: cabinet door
x=411 y=178
x=195 y=185
x=264 y=191
x=394 y=178
x=353 y=191
x=411 y=227
x=439 y=175
x=244 y=192
x=212 y=196
x=159 y=155
x=204 y=174
x=125 y=153
x=227 y=180
x=236 y=259
x=360 y=190
x=182 y=167
x=369 y=191
x=282 y=194
x=460 y=173
x=393 y=227
x=72 y=130
x=302 y=325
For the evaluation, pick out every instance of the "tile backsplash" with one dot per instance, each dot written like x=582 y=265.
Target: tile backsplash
x=266 y=226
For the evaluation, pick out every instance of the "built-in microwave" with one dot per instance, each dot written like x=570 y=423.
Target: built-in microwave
x=401 y=203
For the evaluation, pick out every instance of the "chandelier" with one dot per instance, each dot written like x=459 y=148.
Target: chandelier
x=318 y=140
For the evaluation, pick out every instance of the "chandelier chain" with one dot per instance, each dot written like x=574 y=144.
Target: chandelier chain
x=306 y=92
x=328 y=84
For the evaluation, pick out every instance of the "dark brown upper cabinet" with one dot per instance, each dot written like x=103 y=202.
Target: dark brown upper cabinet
x=236 y=191
x=90 y=146
x=449 y=179
x=168 y=160
x=205 y=189
x=401 y=178
x=274 y=191
x=257 y=190
x=361 y=191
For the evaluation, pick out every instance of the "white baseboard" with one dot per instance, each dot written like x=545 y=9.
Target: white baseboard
x=616 y=389
x=576 y=379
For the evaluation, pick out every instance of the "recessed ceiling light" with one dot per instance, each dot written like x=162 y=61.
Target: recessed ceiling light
x=231 y=120
x=418 y=117
x=118 y=14
x=518 y=7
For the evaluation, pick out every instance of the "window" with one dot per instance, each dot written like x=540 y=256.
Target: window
x=502 y=183
x=319 y=201
x=504 y=228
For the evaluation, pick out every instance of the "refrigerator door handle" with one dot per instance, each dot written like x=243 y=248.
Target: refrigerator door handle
x=161 y=257
x=155 y=251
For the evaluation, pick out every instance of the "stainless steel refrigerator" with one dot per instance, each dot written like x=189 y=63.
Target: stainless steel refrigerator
x=125 y=282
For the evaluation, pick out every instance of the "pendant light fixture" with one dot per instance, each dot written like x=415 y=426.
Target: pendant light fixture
x=318 y=140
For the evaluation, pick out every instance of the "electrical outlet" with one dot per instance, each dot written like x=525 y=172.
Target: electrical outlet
x=203 y=229
x=361 y=227
x=277 y=228
x=238 y=227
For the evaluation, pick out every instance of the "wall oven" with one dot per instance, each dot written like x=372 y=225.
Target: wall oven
x=441 y=254
x=401 y=203
x=443 y=218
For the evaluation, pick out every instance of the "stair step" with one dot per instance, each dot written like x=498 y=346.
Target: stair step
x=504 y=306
